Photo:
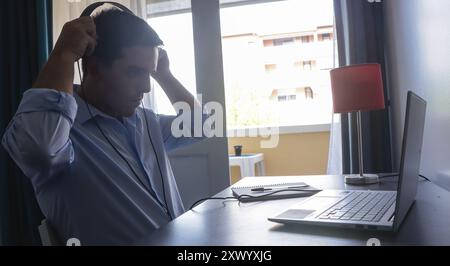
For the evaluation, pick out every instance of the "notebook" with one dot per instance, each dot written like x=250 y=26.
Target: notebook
x=267 y=192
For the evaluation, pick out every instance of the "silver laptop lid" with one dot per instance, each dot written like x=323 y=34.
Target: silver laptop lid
x=410 y=159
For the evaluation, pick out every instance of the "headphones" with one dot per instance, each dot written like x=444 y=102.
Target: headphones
x=87 y=12
x=91 y=8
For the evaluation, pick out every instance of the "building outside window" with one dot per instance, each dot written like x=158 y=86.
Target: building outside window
x=284 y=56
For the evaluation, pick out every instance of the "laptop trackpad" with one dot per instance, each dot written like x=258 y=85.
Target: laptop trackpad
x=307 y=208
x=295 y=214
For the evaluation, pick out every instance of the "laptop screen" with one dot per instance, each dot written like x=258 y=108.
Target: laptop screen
x=410 y=160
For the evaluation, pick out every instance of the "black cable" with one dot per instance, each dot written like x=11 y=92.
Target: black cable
x=426 y=178
x=213 y=198
x=395 y=175
x=165 y=207
x=252 y=197
x=157 y=160
x=387 y=176
x=115 y=149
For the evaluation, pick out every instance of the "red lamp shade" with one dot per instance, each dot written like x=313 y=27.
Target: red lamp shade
x=357 y=88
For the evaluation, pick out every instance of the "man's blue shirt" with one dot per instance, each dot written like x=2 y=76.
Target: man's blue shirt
x=84 y=188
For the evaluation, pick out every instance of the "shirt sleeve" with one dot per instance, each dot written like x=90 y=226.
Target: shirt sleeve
x=37 y=138
x=170 y=141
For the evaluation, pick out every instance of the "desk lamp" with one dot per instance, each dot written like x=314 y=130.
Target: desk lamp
x=358 y=88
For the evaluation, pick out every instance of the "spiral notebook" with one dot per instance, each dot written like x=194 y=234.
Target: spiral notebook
x=270 y=192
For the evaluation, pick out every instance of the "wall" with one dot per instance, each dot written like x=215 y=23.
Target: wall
x=296 y=154
x=418 y=52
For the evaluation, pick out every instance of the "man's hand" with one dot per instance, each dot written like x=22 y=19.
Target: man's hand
x=77 y=39
x=163 y=68
x=174 y=90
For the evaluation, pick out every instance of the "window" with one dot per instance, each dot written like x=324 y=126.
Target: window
x=279 y=58
x=309 y=94
x=283 y=41
x=278 y=42
x=307 y=65
x=325 y=37
x=282 y=98
x=270 y=68
x=307 y=39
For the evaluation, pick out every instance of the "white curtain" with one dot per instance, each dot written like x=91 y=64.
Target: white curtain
x=335 y=152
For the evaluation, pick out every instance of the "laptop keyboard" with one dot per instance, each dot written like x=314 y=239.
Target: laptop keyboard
x=367 y=206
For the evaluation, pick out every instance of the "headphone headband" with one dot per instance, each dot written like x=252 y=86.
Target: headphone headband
x=90 y=9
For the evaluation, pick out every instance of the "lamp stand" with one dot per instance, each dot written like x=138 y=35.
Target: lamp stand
x=361 y=179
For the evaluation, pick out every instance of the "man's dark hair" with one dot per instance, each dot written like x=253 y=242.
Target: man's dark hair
x=117 y=30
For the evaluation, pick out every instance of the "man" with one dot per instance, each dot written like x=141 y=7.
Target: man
x=97 y=162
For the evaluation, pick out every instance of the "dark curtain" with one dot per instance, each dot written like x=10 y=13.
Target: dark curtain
x=25 y=43
x=360 y=33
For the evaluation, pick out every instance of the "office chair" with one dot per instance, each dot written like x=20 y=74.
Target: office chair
x=48 y=235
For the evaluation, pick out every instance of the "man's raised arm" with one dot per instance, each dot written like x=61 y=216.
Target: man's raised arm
x=37 y=138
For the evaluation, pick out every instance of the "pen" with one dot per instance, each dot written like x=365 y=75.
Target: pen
x=261 y=189
x=280 y=188
x=302 y=186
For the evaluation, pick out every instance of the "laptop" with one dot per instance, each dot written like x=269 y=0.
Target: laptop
x=373 y=210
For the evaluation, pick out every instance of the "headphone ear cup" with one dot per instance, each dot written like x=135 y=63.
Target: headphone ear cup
x=90 y=9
